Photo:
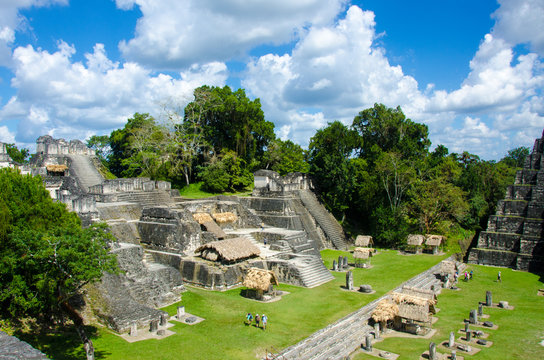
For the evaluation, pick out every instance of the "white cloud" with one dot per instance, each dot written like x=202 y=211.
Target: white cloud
x=332 y=74
x=174 y=34
x=520 y=22
x=337 y=70
x=75 y=100
x=6 y=136
x=11 y=21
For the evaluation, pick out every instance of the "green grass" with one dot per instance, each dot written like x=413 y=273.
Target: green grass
x=223 y=334
x=520 y=330
x=194 y=191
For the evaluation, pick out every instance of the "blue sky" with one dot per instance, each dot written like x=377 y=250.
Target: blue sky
x=470 y=70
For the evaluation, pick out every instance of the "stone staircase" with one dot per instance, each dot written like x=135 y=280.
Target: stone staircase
x=340 y=339
x=301 y=245
x=308 y=223
x=147 y=198
x=325 y=220
x=312 y=271
x=84 y=170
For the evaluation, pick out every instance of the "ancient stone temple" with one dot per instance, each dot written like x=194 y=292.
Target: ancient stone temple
x=514 y=235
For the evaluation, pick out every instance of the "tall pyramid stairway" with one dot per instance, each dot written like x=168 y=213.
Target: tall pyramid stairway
x=514 y=234
x=84 y=170
x=325 y=220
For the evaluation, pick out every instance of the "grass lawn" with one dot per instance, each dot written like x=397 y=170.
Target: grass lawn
x=520 y=330
x=194 y=191
x=223 y=334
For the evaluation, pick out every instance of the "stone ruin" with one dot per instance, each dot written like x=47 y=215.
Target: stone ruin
x=5 y=159
x=514 y=235
x=159 y=234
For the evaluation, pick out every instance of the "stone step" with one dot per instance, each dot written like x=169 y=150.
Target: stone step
x=82 y=167
x=326 y=221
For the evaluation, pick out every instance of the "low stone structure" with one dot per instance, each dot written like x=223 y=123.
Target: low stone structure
x=414 y=243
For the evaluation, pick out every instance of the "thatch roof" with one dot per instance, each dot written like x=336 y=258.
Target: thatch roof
x=385 y=310
x=56 y=168
x=215 y=229
x=434 y=240
x=422 y=293
x=260 y=279
x=413 y=307
x=228 y=250
x=400 y=298
x=414 y=312
x=202 y=218
x=415 y=239
x=225 y=217
x=362 y=253
x=363 y=240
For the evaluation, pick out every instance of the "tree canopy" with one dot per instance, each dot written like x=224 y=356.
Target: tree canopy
x=46 y=257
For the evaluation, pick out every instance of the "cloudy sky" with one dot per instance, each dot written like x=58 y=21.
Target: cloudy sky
x=471 y=70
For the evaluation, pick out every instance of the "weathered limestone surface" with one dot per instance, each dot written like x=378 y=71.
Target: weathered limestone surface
x=12 y=348
x=133 y=295
x=169 y=229
x=514 y=236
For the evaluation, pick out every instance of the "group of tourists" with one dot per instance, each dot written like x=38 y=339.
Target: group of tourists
x=467 y=275
x=259 y=319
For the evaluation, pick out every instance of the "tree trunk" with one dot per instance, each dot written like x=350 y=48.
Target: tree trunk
x=78 y=323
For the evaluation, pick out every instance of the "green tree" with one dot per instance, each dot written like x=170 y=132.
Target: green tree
x=228 y=172
x=437 y=204
x=45 y=256
x=16 y=154
x=384 y=129
x=329 y=156
x=122 y=147
x=516 y=157
x=101 y=145
x=232 y=121
x=186 y=141
x=285 y=157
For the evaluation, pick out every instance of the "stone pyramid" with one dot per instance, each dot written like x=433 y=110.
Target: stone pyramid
x=514 y=236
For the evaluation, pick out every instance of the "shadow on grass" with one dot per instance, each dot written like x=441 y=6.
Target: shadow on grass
x=63 y=344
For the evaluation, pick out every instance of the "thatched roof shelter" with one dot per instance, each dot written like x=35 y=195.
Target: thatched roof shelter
x=414 y=307
x=228 y=250
x=385 y=310
x=225 y=217
x=414 y=312
x=422 y=293
x=364 y=241
x=260 y=279
x=415 y=239
x=434 y=240
x=202 y=218
x=362 y=253
x=56 y=169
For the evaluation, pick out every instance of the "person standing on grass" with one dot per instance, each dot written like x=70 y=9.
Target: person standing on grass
x=499 y=277
x=257 y=320
x=249 y=318
x=471 y=274
x=264 y=319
